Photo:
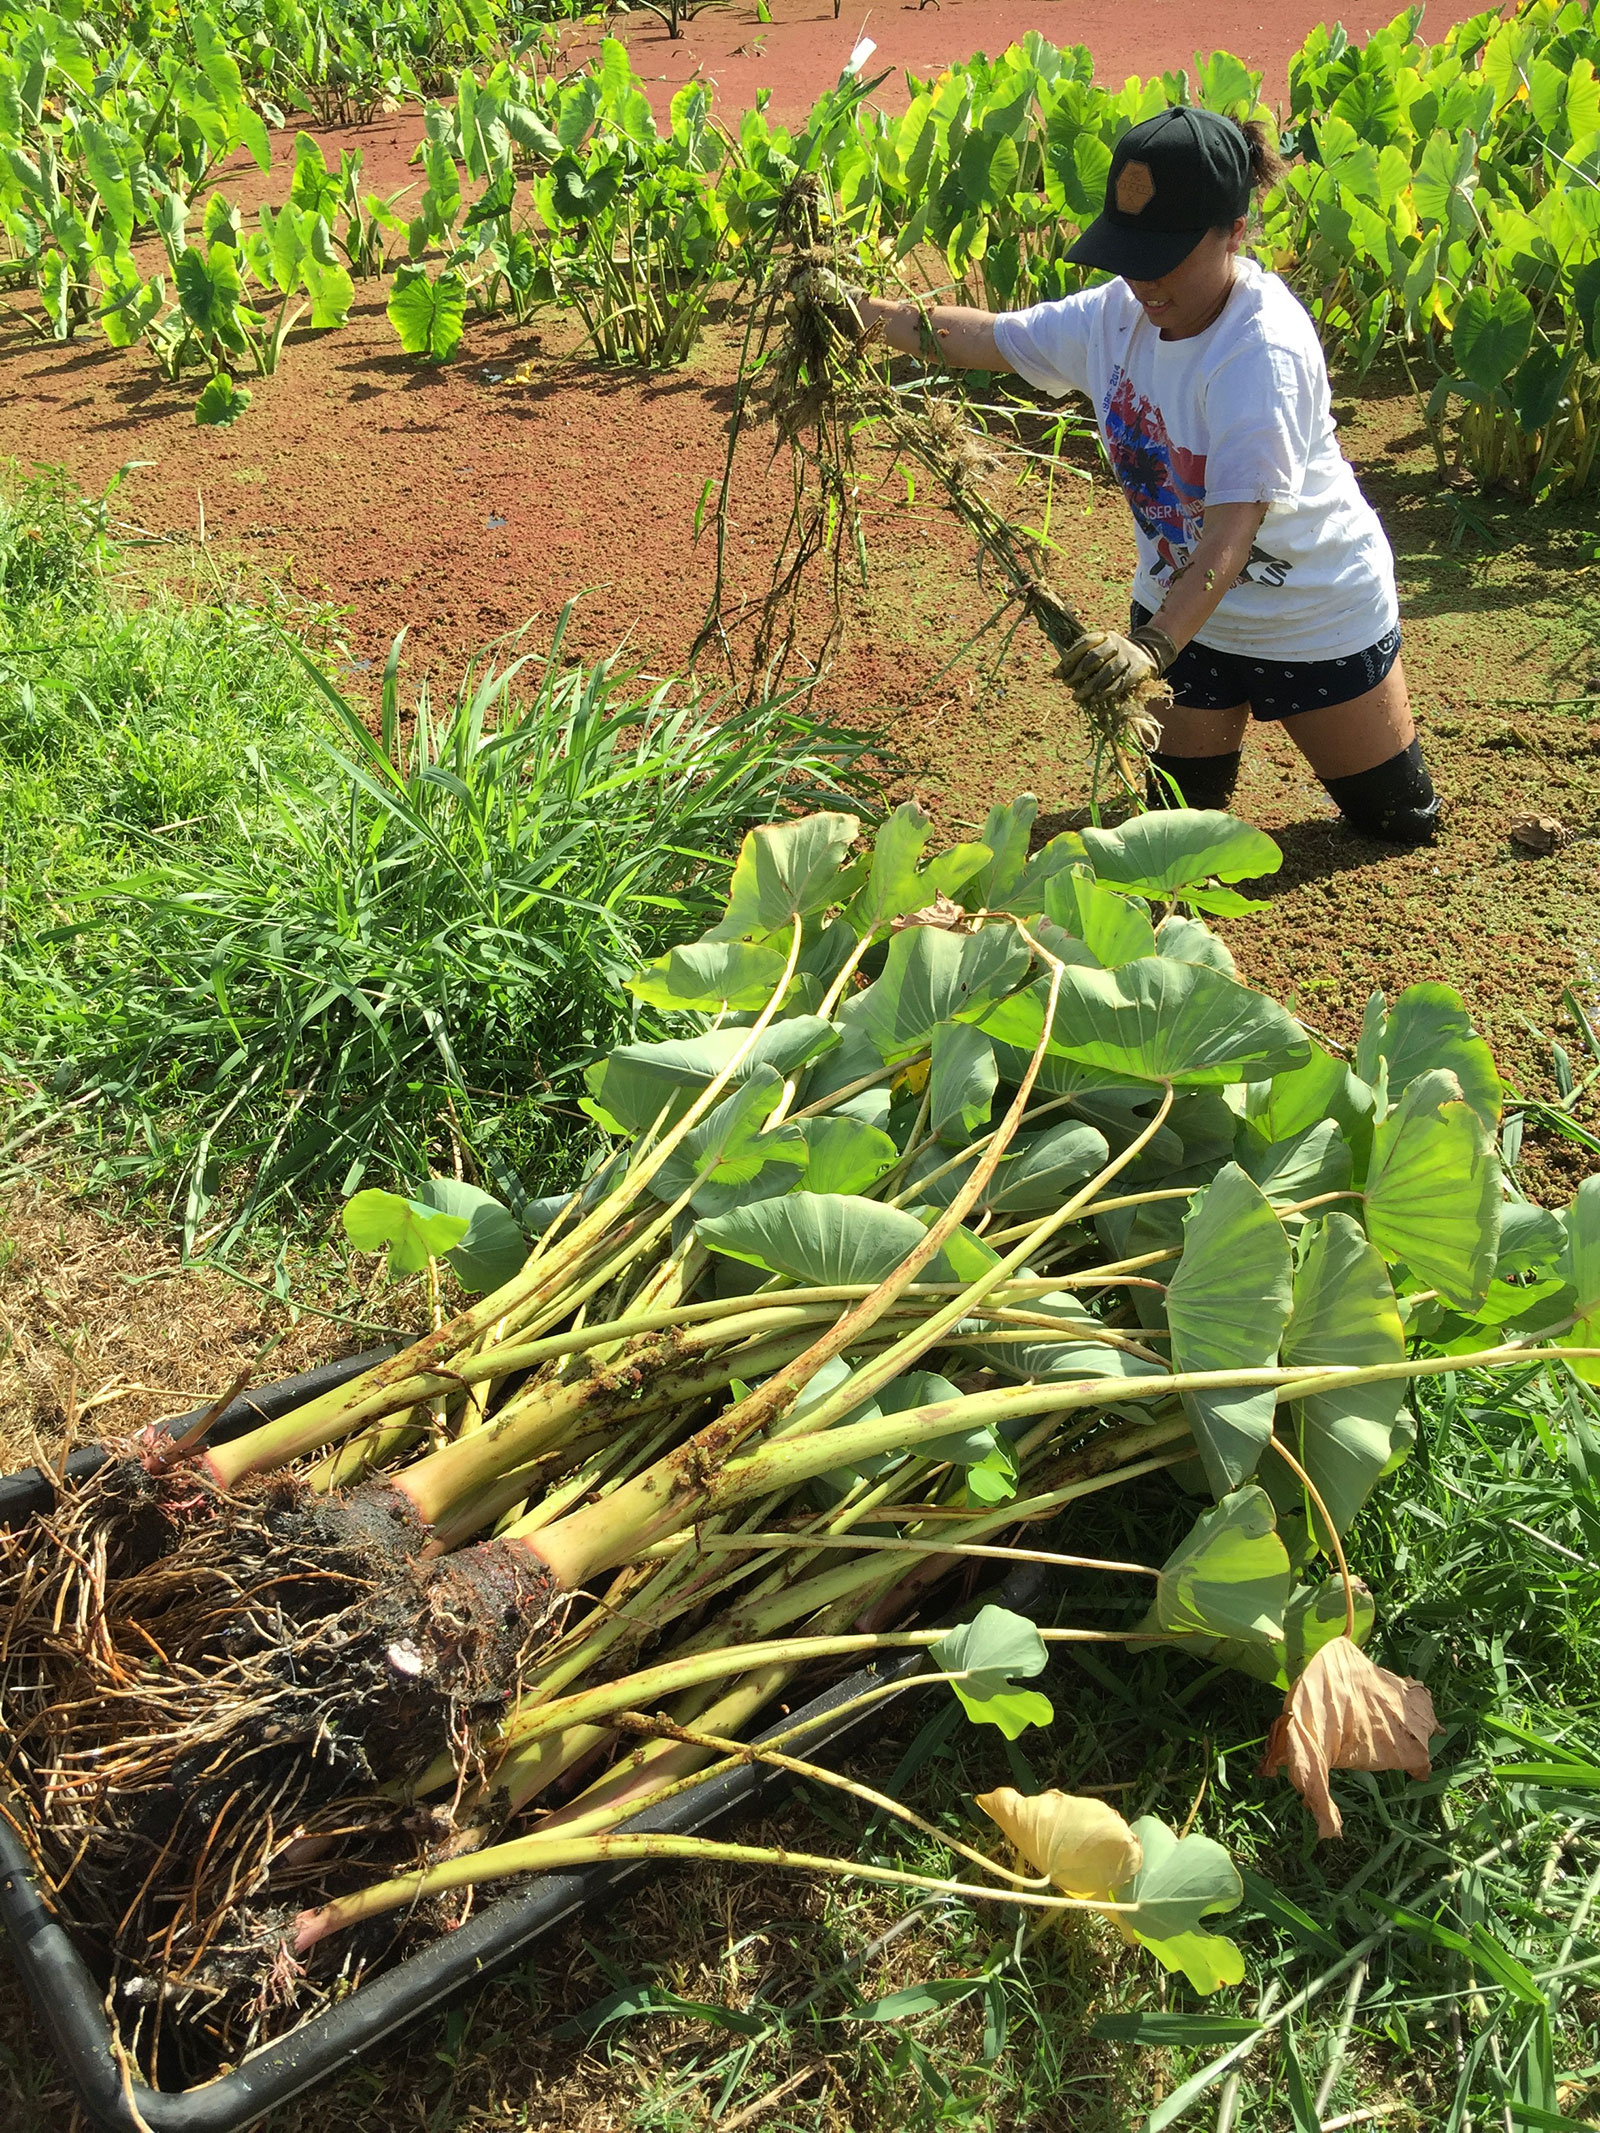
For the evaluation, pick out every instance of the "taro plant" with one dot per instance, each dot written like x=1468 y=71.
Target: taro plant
x=969 y=1184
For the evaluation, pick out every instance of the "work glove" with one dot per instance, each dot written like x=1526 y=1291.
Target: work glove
x=1104 y=667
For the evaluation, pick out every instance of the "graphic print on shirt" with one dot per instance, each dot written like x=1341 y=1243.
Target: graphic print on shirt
x=1164 y=484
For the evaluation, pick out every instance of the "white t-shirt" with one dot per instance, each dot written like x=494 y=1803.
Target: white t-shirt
x=1239 y=414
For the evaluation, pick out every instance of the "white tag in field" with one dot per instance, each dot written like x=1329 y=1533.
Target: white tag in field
x=859 y=57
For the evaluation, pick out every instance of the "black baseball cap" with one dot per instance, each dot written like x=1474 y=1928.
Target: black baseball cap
x=1172 y=178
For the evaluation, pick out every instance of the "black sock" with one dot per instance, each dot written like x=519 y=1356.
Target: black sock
x=1203 y=780
x=1394 y=800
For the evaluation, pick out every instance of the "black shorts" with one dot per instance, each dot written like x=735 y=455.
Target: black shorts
x=1205 y=680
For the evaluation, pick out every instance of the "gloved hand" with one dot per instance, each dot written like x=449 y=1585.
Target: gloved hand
x=1104 y=667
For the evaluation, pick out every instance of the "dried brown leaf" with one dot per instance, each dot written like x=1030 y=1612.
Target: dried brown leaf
x=943 y=912
x=1345 y=1713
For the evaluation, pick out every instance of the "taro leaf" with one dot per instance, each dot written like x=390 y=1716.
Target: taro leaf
x=1166 y=853
x=893 y=886
x=579 y=195
x=492 y=1248
x=850 y=1061
x=411 y=1231
x=1429 y=1027
x=106 y=172
x=330 y=288
x=931 y=976
x=710 y=976
x=428 y=312
x=1040 y=1169
x=1490 y=338
x=990 y=1650
x=1537 y=388
x=1114 y=928
x=1037 y=1172
x=1083 y=1845
x=785 y=871
x=1227 y=1306
x=991 y=1475
x=1323 y=1088
x=1168 y=1021
x=1314 y=1615
x=1580 y=1268
x=1078 y=1353
x=221 y=403
x=1191 y=940
x=1230 y=1577
x=736 y=1162
x=1532 y=1239
x=823 y=1239
x=1006 y=834
x=1433 y=1192
x=640 y=1081
x=209 y=289
x=1182 y=1880
x=846 y=1155
x=961 y=1083
x=1345 y=1316
x=1314 y=1160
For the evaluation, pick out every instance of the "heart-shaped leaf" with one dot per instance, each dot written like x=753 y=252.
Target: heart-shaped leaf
x=429 y=312
x=1230 y=1577
x=846 y=1155
x=639 y=1083
x=1227 y=1306
x=492 y=1247
x=1114 y=928
x=1345 y=1316
x=734 y=1159
x=822 y=1239
x=409 y=1230
x=962 y=1082
x=989 y=1651
x=895 y=886
x=931 y=976
x=1082 y=1844
x=1164 y=853
x=1161 y=1020
x=710 y=977
x=1433 y=1190
x=785 y=871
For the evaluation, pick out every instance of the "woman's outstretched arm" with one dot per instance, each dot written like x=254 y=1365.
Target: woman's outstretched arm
x=964 y=338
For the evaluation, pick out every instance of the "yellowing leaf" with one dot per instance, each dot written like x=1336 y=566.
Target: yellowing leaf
x=1082 y=1844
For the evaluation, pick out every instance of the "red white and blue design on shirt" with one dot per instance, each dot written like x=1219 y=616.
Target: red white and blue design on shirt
x=1164 y=484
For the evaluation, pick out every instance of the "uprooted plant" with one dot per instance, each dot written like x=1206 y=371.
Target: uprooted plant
x=973 y=1187
x=808 y=369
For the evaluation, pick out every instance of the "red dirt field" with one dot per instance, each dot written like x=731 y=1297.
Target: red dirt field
x=800 y=52
x=464 y=502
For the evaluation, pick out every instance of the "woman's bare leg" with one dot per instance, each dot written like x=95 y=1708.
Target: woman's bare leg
x=1355 y=736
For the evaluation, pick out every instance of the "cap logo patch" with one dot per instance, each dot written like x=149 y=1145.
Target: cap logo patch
x=1135 y=188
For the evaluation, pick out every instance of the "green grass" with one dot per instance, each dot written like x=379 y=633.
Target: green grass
x=267 y=954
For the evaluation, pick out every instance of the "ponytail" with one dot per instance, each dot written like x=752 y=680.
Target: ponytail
x=1266 y=165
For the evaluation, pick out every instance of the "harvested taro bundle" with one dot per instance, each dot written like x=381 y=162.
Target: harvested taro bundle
x=976 y=1184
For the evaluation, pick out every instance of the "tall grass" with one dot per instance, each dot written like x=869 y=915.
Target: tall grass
x=290 y=953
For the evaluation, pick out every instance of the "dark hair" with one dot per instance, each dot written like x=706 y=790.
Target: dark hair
x=1266 y=165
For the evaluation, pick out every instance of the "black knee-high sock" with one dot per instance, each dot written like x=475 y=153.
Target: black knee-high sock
x=1394 y=800
x=1203 y=780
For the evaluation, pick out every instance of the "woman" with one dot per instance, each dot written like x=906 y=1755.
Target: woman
x=1265 y=586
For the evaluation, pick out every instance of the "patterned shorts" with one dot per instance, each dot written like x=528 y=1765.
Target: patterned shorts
x=1205 y=680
